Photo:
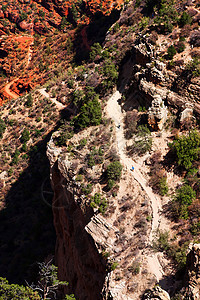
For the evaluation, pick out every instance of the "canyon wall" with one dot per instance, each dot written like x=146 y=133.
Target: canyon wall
x=77 y=257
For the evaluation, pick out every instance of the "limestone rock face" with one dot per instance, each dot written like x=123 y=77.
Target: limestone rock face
x=187 y=115
x=77 y=257
x=193 y=273
x=157 y=113
x=156 y=293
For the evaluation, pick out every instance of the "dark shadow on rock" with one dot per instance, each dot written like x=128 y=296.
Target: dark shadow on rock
x=95 y=33
x=27 y=231
x=169 y=284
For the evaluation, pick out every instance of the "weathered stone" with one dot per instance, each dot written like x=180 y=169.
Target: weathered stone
x=157 y=113
x=192 y=279
x=156 y=293
x=187 y=115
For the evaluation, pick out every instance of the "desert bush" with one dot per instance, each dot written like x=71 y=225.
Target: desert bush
x=192 y=69
x=186 y=149
x=2 y=128
x=184 y=19
x=15 y=291
x=185 y=31
x=25 y=137
x=29 y=101
x=97 y=201
x=153 y=37
x=141 y=146
x=134 y=268
x=82 y=144
x=114 y=171
x=180 y=46
x=171 y=51
x=131 y=120
x=161 y=242
x=182 y=200
x=90 y=114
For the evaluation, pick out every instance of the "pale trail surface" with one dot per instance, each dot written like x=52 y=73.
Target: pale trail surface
x=58 y=104
x=10 y=93
x=115 y=112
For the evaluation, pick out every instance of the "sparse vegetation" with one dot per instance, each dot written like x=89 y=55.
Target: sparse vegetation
x=171 y=51
x=2 y=128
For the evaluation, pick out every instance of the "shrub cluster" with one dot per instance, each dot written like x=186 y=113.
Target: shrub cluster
x=113 y=173
x=97 y=201
x=186 y=149
x=158 y=179
x=2 y=128
x=182 y=200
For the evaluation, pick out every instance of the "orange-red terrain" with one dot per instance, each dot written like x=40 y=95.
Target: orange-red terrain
x=36 y=38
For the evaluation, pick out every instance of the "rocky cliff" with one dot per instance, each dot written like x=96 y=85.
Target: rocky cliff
x=100 y=255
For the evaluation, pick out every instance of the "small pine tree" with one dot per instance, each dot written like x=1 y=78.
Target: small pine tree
x=171 y=51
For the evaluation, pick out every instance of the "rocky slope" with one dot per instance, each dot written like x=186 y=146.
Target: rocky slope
x=105 y=228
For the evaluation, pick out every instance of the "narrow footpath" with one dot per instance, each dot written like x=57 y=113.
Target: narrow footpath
x=58 y=104
x=115 y=112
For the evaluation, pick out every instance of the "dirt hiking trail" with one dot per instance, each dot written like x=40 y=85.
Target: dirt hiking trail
x=115 y=112
x=58 y=104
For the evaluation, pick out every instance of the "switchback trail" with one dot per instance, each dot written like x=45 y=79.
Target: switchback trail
x=58 y=104
x=115 y=112
x=10 y=93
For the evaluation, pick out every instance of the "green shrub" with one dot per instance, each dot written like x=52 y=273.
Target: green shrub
x=114 y=171
x=134 y=268
x=16 y=292
x=171 y=51
x=110 y=184
x=183 y=198
x=15 y=158
x=185 y=19
x=161 y=241
x=163 y=186
x=95 y=50
x=114 y=265
x=87 y=189
x=82 y=144
x=25 y=136
x=79 y=177
x=187 y=149
x=97 y=201
x=24 y=147
x=90 y=114
x=2 y=128
x=180 y=46
x=29 y=101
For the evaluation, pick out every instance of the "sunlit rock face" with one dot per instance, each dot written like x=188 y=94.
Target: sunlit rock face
x=157 y=113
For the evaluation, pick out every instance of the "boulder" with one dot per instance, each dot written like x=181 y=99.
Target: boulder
x=156 y=293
